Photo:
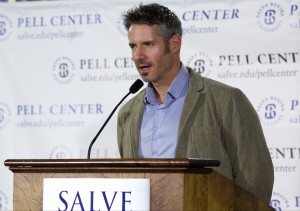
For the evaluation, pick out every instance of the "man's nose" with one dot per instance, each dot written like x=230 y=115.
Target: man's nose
x=139 y=53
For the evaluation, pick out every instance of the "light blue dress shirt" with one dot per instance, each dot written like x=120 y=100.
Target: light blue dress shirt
x=159 y=129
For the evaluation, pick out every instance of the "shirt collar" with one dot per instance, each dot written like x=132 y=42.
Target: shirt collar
x=178 y=86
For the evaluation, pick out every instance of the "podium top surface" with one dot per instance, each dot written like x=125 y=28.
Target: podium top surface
x=178 y=164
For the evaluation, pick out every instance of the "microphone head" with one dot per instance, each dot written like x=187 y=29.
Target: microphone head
x=136 y=86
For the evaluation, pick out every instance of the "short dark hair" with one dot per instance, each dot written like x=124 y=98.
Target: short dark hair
x=154 y=14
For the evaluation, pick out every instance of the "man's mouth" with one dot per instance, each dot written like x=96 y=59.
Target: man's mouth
x=143 y=66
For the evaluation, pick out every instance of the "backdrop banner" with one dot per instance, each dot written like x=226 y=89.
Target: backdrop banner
x=64 y=66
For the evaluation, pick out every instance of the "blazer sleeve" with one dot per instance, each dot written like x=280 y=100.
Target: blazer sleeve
x=247 y=147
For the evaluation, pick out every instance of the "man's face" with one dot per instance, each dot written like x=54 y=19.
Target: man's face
x=152 y=58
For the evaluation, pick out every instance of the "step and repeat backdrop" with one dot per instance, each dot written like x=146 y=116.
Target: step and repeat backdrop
x=64 y=65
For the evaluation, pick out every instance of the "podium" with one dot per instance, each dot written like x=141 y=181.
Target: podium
x=175 y=184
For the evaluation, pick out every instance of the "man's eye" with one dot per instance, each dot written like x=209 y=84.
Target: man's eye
x=149 y=44
x=132 y=46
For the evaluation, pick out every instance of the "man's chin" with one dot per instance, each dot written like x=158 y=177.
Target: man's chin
x=145 y=79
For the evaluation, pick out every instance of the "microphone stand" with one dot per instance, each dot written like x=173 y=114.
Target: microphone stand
x=95 y=138
x=133 y=89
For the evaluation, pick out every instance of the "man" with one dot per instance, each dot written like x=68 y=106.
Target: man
x=182 y=114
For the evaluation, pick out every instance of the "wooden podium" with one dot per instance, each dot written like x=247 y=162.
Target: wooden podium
x=176 y=184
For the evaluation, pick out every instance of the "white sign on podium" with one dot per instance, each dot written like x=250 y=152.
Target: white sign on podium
x=65 y=194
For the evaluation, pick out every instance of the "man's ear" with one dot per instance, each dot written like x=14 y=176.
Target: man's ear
x=175 y=43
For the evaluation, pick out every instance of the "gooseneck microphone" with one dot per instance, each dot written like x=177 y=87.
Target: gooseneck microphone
x=132 y=90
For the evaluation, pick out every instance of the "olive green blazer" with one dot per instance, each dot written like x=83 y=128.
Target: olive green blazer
x=218 y=122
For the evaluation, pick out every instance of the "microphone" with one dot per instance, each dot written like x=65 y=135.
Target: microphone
x=132 y=90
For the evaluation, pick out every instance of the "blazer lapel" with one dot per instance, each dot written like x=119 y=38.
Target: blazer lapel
x=136 y=124
x=192 y=96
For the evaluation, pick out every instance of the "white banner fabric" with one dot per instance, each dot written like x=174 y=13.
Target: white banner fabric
x=64 y=65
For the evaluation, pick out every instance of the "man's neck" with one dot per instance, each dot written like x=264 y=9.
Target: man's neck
x=162 y=87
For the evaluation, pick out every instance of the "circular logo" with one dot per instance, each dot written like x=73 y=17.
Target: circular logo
x=5 y=114
x=200 y=63
x=61 y=152
x=269 y=17
x=270 y=111
x=3 y=201
x=279 y=201
x=121 y=27
x=63 y=70
x=5 y=27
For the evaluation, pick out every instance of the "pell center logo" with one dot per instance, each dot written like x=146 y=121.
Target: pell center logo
x=270 y=17
x=5 y=114
x=200 y=63
x=120 y=25
x=270 y=111
x=63 y=70
x=5 y=27
x=3 y=201
x=279 y=201
x=61 y=152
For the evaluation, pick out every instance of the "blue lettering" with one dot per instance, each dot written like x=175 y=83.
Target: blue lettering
x=275 y=204
x=98 y=18
x=68 y=21
x=199 y=66
x=235 y=13
x=270 y=111
x=2 y=28
x=270 y=17
x=294 y=8
x=78 y=19
x=184 y=16
x=30 y=110
x=106 y=201
x=294 y=104
x=53 y=109
x=226 y=14
x=76 y=109
x=297 y=201
x=260 y=60
x=99 y=109
x=205 y=14
x=197 y=15
x=20 y=22
x=216 y=14
x=63 y=200
x=53 y=21
x=19 y=109
x=31 y=22
x=78 y=203
x=123 y=62
x=92 y=201
x=124 y=199
x=63 y=70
